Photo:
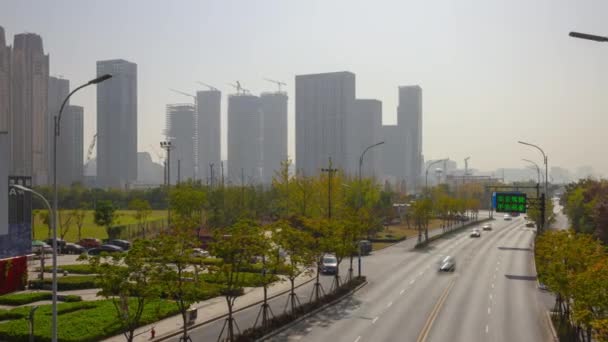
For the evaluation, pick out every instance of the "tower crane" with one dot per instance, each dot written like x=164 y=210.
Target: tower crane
x=278 y=83
x=182 y=93
x=208 y=86
x=239 y=88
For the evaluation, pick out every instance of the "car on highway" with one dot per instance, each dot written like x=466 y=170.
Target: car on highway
x=487 y=226
x=507 y=217
x=530 y=224
x=73 y=248
x=475 y=233
x=447 y=264
x=365 y=246
x=105 y=248
x=329 y=264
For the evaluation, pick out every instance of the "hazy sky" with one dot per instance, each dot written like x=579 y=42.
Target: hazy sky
x=492 y=72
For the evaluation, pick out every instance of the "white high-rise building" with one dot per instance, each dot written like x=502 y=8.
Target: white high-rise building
x=274 y=133
x=181 y=132
x=117 y=124
x=244 y=139
x=324 y=103
x=208 y=135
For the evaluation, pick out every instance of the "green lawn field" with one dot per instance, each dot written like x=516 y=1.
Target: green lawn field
x=90 y=229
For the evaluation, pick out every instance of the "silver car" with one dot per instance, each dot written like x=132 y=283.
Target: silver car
x=447 y=264
x=329 y=264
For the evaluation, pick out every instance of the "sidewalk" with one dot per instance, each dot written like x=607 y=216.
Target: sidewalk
x=212 y=309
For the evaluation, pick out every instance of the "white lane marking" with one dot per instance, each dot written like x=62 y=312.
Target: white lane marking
x=489 y=310
x=412 y=281
x=497 y=268
x=492 y=285
x=401 y=292
x=495 y=276
x=389 y=305
x=421 y=273
x=359 y=337
x=499 y=263
x=486 y=331
x=490 y=296
x=375 y=319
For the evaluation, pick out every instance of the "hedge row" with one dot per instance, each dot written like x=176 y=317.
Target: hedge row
x=31 y=297
x=66 y=283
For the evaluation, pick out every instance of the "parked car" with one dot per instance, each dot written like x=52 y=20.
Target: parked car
x=475 y=233
x=200 y=253
x=530 y=224
x=39 y=247
x=365 y=246
x=124 y=244
x=487 y=226
x=105 y=248
x=329 y=264
x=447 y=264
x=507 y=217
x=90 y=243
x=60 y=244
x=73 y=248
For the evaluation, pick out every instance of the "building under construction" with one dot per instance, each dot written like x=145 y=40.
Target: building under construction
x=244 y=138
x=208 y=148
x=181 y=131
x=274 y=133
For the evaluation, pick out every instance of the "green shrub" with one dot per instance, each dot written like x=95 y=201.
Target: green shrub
x=84 y=321
x=73 y=269
x=10 y=314
x=66 y=283
x=24 y=298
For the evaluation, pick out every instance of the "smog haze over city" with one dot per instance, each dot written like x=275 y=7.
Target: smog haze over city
x=492 y=72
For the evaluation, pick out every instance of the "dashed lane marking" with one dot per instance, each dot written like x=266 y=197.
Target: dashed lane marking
x=358 y=338
x=375 y=320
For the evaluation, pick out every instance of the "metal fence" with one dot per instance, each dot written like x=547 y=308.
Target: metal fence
x=136 y=231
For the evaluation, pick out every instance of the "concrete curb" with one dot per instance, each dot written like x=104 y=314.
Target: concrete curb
x=305 y=316
x=179 y=332
x=552 y=327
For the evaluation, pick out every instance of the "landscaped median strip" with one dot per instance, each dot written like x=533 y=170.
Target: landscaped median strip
x=213 y=319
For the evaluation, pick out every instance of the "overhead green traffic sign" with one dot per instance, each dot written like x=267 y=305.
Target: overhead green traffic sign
x=510 y=202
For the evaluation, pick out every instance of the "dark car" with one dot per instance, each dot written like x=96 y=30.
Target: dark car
x=329 y=264
x=60 y=244
x=365 y=246
x=124 y=244
x=105 y=248
x=90 y=243
x=73 y=248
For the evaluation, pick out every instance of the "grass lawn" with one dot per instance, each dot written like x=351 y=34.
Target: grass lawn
x=84 y=321
x=379 y=245
x=90 y=229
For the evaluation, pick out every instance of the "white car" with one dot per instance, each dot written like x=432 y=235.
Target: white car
x=507 y=217
x=447 y=264
x=475 y=233
x=487 y=226
x=200 y=253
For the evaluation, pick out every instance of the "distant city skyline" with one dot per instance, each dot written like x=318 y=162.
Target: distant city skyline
x=504 y=74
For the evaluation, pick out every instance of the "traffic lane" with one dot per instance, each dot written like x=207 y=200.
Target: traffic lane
x=246 y=318
x=465 y=312
x=392 y=277
x=520 y=308
x=413 y=307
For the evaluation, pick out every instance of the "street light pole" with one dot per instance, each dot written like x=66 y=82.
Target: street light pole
x=537 y=173
x=587 y=36
x=57 y=122
x=167 y=146
x=361 y=199
x=545 y=159
x=426 y=176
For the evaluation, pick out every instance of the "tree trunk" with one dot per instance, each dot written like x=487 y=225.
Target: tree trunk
x=230 y=325
x=185 y=326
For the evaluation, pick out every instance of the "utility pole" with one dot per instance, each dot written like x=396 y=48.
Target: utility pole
x=167 y=146
x=330 y=172
x=242 y=188
x=211 y=175
x=179 y=171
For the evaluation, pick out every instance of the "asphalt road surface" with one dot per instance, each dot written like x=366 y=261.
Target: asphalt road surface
x=492 y=295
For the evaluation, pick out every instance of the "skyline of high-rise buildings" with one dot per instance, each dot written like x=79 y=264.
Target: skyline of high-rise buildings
x=117 y=124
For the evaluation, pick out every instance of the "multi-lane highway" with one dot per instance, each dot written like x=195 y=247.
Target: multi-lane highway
x=492 y=295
